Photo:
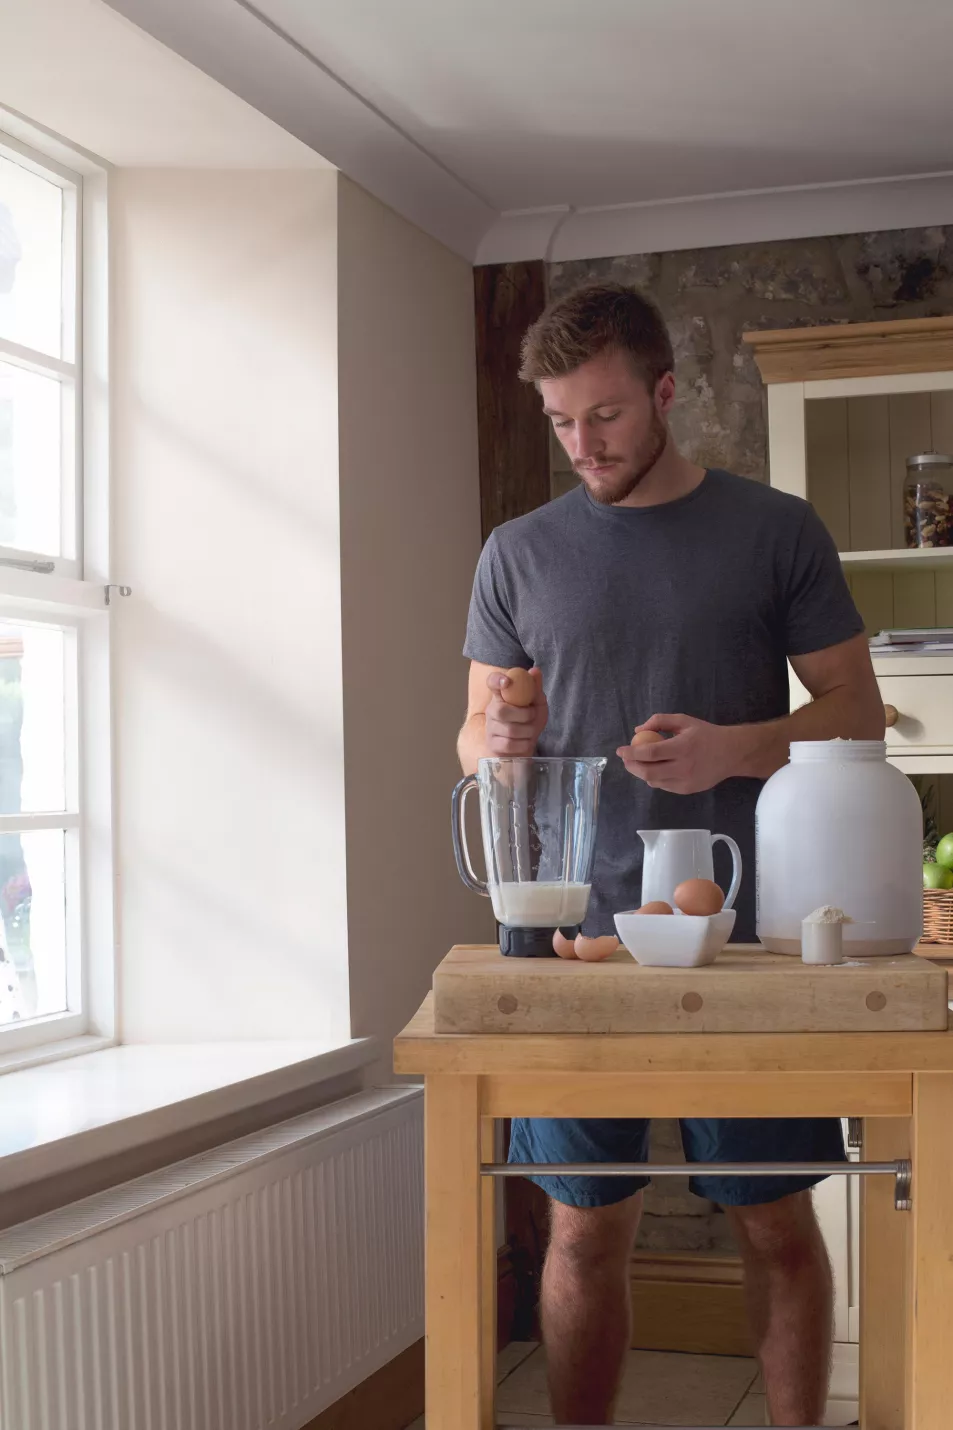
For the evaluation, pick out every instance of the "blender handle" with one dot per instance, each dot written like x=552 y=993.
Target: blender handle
x=461 y=851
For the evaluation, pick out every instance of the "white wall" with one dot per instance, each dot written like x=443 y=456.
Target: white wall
x=235 y=861
x=229 y=713
x=410 y=538
x=297 y=511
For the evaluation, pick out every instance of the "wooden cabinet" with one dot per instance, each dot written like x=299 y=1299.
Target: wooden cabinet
x=924 y=706
x=846 y=406
x=919 y=690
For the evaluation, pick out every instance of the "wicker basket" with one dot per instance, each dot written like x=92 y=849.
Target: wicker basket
x=937 y=916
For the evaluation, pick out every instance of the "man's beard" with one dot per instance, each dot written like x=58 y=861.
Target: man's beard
x=644 y=460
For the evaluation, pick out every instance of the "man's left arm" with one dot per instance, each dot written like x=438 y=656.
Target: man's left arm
x=696 y=756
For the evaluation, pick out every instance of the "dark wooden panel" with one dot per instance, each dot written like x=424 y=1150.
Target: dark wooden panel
x=507 y=1292
x=514 y=435
x=388 y=1400
x=514 y=479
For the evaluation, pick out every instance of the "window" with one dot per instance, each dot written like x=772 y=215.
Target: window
x=39 y=368
x=53 y=623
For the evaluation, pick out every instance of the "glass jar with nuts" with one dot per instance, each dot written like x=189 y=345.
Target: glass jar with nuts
x=926 y=500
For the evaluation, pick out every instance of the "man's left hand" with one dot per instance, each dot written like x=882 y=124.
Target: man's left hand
x=694 y=757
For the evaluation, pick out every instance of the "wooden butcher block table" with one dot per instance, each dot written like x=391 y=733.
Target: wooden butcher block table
x=563 y=1040
x=477 y=990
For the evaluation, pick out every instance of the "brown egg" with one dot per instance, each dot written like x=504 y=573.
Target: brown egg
x=522 y=689
x=591 y=950
x=700 y=897
x=646 y=737
x=656 y=907
x=563 y=946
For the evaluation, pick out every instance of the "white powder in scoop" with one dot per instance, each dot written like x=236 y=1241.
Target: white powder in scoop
x=828 y=914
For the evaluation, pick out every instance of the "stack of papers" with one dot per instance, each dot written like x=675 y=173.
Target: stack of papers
x=927 y=640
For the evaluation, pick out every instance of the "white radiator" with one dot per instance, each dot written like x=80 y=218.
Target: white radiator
x=249 y=1287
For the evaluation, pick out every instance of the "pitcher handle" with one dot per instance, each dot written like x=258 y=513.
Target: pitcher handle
x=461 y=850
x=735 y=867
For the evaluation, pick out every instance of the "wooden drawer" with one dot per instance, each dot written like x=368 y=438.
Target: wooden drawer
x=924 y=703
x=925 y=706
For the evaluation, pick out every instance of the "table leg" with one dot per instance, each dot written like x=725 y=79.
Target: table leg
x=453 y=1253
x=489 y=1253
x=883 y=1261
x=929 y=1378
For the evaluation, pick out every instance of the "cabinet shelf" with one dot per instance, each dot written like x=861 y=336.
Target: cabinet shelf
x=939 y=558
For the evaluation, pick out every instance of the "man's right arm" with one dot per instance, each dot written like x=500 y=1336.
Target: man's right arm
x=494 y=728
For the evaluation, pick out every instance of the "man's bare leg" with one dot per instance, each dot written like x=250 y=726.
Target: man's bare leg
x=586 y=1307
x=790 y=1298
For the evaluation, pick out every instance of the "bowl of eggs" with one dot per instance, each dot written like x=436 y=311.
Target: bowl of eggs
x=687 y=933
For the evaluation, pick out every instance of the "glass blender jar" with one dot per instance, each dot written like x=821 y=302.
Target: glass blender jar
x=538 y=818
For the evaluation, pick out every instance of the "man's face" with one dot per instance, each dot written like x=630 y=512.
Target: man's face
x=612 y=427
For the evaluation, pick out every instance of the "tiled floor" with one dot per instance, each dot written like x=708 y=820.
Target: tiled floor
x=657 y=1389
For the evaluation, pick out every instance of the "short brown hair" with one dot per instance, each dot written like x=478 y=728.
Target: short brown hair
x=591 y=320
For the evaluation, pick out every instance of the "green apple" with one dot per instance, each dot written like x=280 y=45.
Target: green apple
x=935 y=876
x=944 y=851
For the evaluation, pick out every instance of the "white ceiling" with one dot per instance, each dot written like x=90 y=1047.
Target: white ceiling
x=77 y=68
x=458 y=112
x=533 y=103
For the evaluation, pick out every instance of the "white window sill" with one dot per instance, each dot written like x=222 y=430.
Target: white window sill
x=31 y=1057
x=66 y=1114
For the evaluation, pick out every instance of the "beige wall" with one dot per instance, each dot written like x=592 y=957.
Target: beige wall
x=230 y=765
x=410 y=538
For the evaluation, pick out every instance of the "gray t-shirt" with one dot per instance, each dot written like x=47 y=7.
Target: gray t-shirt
x=690 y=608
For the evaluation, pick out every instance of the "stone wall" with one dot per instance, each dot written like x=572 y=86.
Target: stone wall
x=709 y=297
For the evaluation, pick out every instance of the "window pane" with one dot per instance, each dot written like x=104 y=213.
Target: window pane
x=31 y=259
x=32 y=719
x=33 y=909
x=31 y=446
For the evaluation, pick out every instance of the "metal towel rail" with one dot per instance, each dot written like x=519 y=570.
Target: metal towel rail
x=901 y=1171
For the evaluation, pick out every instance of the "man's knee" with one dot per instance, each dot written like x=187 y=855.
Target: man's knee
x=592 y=1236
x=781 y=1233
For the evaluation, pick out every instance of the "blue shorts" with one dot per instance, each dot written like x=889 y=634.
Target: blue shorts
x=731 y=1139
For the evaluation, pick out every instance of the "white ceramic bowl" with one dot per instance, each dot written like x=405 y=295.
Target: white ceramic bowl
x=675 y=940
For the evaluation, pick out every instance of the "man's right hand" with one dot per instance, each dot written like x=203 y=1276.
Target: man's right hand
x=513 y=730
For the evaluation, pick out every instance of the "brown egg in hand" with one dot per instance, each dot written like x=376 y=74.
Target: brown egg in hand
x=563 y=946
x=521 y=689
x=658 y=906
x=700 y=897
x=592 y=950
x=646 y=737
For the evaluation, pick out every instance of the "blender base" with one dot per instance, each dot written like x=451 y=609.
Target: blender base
x=532 y=942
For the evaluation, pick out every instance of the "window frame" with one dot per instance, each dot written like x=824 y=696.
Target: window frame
x=73 y=596
x=66 y=369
